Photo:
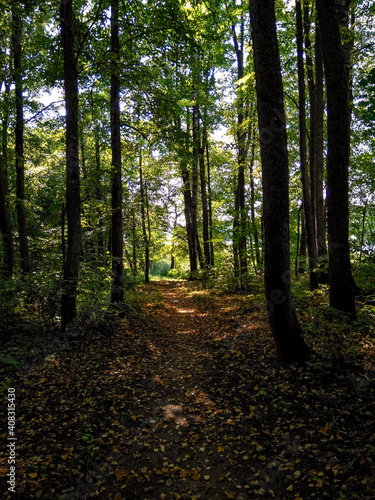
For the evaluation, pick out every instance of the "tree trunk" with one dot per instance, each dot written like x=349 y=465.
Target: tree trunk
x=6 y=228
x=73 y=199
x=306 y=191
x=254 y=228
x=98 y=195
x=205 y=218
x=338 y=124
x=210 y=215
x=144 y=229
x=315 y=86
x=318 y=158
x=286 y=330
x=117 y=291
x=134 y=244
x=19 y=138
x=195 y=181
x=240 y=216
x=193 y=256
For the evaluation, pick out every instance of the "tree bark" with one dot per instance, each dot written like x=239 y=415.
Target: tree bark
x=19 y=138
x=338 y=125
x=73 y=197
x=117 y=292
x=290 y=345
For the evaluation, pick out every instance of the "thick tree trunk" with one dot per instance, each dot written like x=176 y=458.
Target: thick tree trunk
x=286 y=330
x=6 y=227
x=306 y=191
x=193 y=255
x=338 y=125
x=19 y=139
x=73 y=199
x=117 y=291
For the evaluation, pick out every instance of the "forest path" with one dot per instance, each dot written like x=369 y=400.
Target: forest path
x=192 y=452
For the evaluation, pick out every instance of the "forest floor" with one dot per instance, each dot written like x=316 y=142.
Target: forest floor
x=184 y=399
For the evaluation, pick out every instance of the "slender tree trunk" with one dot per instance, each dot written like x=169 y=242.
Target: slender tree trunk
x=286 y=330
x=73 y=197
x=98 y=195
x=6 y=227
x=205 y=217
x=252 y=201
x=240 y=216
x=19 y=138
x=363 y=231
x=209 y=192
x=316 y=93
x=306 y=192
x=318 y=158
x=195 y=181
x=144 y=228
x=338 y=124
x=134 y=229
x=117 y=292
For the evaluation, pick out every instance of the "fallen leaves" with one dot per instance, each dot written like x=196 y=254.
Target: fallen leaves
x=189 y=404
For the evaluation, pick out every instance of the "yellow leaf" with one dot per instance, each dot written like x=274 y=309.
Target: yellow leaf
x=118 y=496
x=64 y=457
x=290 y=488
x=33 y=475
x=229 y=494
x=220 y=449
x=120 y=474
x=207 y=477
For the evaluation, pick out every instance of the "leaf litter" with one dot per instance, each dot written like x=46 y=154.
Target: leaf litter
x=186 y=400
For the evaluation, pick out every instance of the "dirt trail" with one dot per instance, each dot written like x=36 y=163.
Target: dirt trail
x=190 y=451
